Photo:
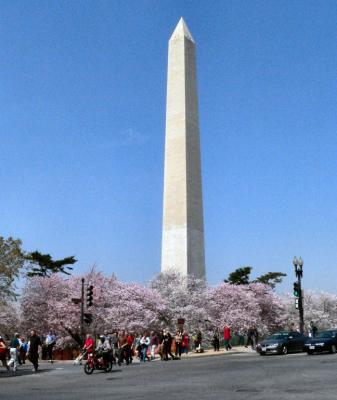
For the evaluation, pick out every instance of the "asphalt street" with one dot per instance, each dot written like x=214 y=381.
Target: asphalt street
x=235 y=377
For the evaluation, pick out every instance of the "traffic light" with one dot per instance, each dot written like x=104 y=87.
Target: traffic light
x=297 y=304
x=87 y=318
x=296 y=290
x=90 y=295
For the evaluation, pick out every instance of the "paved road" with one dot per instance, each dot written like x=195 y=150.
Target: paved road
x=234 y=377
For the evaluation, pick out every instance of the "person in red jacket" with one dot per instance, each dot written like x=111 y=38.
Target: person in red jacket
x=227 y=337
x=89 y=344
x=3 y=353
x=185 y=343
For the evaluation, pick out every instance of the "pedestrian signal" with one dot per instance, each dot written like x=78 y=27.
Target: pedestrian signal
x=297 y=304
x=87 y=318
x=90 y=295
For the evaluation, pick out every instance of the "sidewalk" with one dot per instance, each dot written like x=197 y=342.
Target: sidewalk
x=192 y=354
x=222 y=352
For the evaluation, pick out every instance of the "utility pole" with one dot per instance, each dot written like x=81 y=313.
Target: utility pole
x=82 y=310
x=298 y=264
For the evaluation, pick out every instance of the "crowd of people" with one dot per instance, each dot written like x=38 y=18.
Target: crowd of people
x=117 y=346
x=19 y=349
x=123 y=346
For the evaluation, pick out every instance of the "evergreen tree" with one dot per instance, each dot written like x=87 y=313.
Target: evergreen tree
x=44 y=265
x=270 y=278
x=241 y=277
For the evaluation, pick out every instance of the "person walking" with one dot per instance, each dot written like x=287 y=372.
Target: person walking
x=128 y=348
x=114 y=346
x=144 y=343
x=249 y=338
x=167 y=343
x=153 y=344
x=3 y=353
x=252 y=337
x=161 y=345
x=227 y=337
x=216 y=340
x=185 y=344
x=137 y=345
x=50 y=343
x=312 y=329
x=23 y=350
x=122 y=342
x=178 y=340
x=197 y=339
x=14 y=347
x=33 y=349
x=255 y=337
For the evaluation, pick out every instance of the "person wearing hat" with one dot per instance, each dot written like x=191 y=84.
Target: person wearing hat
x=103 y=348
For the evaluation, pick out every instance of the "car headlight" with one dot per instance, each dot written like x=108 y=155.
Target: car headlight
x=319 y=344
x=273 y=345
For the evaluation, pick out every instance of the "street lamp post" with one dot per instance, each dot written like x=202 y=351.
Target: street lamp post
x=298 y=264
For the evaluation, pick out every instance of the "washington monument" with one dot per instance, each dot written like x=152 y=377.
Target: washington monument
x=183 y=225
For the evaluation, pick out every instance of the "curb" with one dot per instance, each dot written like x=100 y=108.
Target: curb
x=192 y=354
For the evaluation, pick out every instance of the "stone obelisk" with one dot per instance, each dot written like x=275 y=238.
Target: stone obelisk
x=183 y=226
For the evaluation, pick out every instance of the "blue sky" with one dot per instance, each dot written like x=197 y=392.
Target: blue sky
x=82 y=117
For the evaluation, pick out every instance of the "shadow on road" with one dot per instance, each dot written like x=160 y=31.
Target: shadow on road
x=23 y=372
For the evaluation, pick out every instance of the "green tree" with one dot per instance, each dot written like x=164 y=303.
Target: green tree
x=12 y=261
x=271 y=278
x=44 y=265
x=241 y=276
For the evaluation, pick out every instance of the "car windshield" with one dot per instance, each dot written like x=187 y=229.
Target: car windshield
x=326 y=334
x=279 y=336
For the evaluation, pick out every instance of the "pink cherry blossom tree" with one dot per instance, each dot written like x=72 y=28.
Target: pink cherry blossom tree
x=47 y=305
x=183 y=297
x=243 y=306
x=319 y=307
x=119 y=305
x=9 y=319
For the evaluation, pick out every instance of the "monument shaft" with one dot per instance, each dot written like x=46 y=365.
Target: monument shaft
x=183 y=227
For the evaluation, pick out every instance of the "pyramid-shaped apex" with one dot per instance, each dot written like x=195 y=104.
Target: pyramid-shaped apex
x=182 y=31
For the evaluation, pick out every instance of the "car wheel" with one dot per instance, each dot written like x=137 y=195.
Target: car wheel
x=333 y=349
x=262 y=354
x=284 y=350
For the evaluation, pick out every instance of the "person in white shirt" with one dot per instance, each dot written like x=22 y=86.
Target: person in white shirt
x=144 y=343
